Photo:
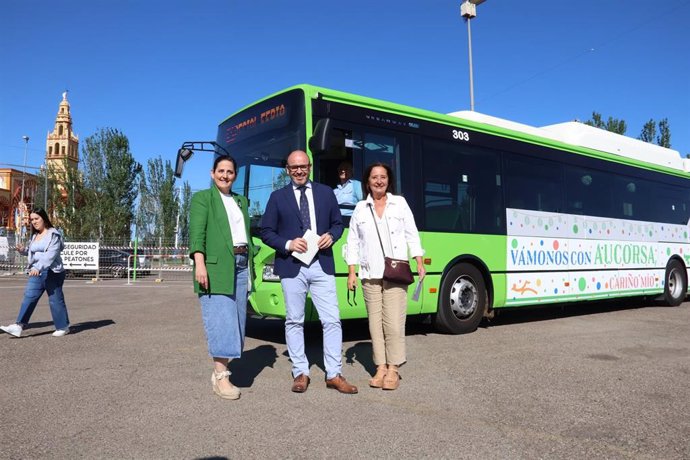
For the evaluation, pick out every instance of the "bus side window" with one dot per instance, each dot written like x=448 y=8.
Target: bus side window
x=533 y=183
x=632 y=195
x=588 y=191
x=462 y=189
x=673 y=206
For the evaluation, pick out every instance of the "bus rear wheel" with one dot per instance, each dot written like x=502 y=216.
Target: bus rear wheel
x=675 y=284
x=463 y=300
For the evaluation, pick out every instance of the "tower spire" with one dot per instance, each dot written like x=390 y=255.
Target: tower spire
x=62 y=145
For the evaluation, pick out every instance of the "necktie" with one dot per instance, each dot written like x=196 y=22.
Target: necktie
x=304 y=206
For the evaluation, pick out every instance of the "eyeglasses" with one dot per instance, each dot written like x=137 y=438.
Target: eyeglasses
x=354 y=299
x=294 y=168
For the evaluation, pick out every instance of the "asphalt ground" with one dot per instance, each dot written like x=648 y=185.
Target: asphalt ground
x=133 y=381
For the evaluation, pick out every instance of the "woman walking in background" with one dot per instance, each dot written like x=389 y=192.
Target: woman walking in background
x=383 y=220
x=46 y=273
x=220 y=244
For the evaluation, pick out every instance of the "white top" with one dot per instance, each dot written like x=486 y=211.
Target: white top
x=580 y=134
x=235 y=219
x=312 y=211
x=398 y=233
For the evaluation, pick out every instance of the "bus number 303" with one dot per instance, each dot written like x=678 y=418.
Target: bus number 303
x=460 y=135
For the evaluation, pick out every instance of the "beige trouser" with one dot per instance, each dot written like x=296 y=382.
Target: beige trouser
x=387 y=310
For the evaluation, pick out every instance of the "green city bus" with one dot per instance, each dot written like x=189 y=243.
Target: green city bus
x=509 y=215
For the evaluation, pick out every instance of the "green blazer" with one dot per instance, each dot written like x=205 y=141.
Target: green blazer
x=209 y=234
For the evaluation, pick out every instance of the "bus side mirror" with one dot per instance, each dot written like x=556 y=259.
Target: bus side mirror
x=182 y=156
x=321 y=139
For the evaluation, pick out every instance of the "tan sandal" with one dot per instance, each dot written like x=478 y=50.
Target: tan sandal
x=392 y=380
x=377 y=380
x=232 y=393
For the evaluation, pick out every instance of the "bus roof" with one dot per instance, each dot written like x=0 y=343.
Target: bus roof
x=575 y=134
x=582 y=135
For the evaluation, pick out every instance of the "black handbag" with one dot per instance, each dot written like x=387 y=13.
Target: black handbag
x=395 y=270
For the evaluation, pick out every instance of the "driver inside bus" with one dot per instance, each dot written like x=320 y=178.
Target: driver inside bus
x=349 y=191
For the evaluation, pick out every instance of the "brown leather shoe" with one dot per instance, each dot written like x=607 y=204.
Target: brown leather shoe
x=300 y=384
x=339 y=383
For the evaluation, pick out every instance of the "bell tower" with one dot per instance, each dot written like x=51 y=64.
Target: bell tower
x=62 y=145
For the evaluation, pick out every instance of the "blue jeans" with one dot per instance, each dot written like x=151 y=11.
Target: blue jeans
x=225 y=316
x=51 y=282
x=322 y=289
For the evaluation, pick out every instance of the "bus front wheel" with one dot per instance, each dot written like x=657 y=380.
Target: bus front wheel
x=676 y=283
x=463 y=300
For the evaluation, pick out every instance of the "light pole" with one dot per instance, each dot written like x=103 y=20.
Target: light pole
x=22 y=203
x=468 y=10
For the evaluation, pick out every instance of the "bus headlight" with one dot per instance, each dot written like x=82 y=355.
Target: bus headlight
x=268 y=274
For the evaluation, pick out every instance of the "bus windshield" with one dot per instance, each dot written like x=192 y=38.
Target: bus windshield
x=259 y=138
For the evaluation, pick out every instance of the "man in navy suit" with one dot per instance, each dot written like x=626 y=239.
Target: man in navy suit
x=290 y=212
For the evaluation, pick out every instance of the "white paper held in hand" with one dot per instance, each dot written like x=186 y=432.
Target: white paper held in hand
x=312 y=247
x=417 y=290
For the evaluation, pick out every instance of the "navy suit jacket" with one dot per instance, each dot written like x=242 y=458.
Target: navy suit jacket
x=282 y=222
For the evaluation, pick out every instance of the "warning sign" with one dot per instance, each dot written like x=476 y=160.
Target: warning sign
x=80 y=256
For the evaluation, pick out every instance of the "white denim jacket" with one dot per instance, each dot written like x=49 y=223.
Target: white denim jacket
x=398 y=232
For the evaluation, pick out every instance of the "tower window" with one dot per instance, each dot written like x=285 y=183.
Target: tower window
x=60 y=128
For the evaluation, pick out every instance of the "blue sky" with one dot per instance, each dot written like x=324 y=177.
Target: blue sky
x=167 y=72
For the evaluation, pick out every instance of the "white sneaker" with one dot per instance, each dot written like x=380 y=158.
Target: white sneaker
x=61 y=332
x=13 y=329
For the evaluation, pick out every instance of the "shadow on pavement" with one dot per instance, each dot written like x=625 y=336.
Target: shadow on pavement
x=250 y=365
x=37 y=324
x=363 y=354
x=73 y=328
x=88 y=325
x=273 y=329
x=357 y=330
x=522 y=315
x=354 y=330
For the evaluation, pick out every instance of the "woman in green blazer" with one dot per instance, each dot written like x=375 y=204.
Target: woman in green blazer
x=221 y=246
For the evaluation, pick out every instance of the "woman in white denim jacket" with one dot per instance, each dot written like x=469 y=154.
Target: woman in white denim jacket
x=386 y=302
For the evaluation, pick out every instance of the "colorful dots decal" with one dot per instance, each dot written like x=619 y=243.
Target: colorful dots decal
x=558 y=256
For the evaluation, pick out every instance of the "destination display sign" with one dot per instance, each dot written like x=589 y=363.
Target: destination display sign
x=273 y=113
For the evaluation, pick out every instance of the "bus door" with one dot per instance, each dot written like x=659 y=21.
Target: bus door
x=360 y=145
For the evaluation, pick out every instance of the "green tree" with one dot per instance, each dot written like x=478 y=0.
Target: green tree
x=110 y=176
x=159 y=203
x=185 y=206
x=281 y=180
x=144 y=213
x=648 y=131
x=612 y=124
x=255 y=209
x=40 y=195
x=664 y=137
x=66 y=201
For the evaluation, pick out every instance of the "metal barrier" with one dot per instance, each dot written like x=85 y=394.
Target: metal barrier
x=161 y=267
x=154 y=263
